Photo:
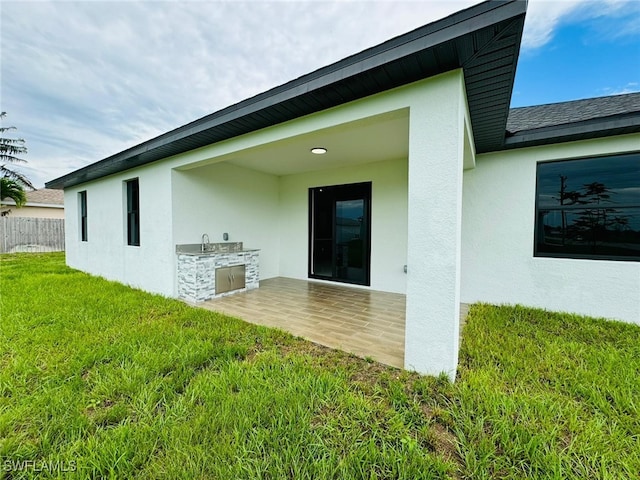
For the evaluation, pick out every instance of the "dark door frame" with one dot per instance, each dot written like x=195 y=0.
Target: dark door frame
x=343 y=192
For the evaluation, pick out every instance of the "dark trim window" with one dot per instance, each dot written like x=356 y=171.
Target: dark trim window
x=133 y=212
x=589 y=208
x=82 y=200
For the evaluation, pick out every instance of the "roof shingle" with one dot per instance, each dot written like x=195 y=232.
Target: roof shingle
x=47 y=196
x=554 y=114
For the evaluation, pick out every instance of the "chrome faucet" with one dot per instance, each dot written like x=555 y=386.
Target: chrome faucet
x=205 y=245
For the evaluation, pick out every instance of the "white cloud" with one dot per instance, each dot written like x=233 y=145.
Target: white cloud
x=630 y=87
x=544 y=17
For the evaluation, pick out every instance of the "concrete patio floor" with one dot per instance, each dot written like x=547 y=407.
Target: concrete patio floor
x=364 y=322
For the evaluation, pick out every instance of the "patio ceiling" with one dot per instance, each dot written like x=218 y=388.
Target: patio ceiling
x=373 y=139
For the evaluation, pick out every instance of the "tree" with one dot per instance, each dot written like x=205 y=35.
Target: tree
x=11 y=189
x=567 y=197
x=9 y=149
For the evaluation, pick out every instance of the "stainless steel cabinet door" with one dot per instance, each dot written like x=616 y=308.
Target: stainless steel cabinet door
x=230 y=278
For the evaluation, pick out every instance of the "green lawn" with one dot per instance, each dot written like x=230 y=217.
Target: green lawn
x=98 y=380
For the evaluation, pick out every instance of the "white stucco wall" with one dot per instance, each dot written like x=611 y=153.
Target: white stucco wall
x=416 y=206
x=438 y=143
x=206 y=194
x=388 y=219
x=498 y=265
x=106 y=253
x=224 y=198
x=389 y=202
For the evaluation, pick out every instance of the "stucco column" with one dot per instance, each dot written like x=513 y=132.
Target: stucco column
x=436 y=139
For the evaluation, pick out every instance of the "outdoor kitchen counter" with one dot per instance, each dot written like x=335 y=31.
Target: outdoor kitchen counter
x=212 y=248
x=196 y=269
x=205 y=254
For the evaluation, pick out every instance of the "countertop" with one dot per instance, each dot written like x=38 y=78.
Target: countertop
x=195 y=249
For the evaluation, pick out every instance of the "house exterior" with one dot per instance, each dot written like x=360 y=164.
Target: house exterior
x=41 y=203
x=453 y=193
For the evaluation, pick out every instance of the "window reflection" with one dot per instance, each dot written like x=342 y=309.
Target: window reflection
x=589 y=208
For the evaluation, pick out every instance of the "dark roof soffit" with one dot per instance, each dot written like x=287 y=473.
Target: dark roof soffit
x=484 y=40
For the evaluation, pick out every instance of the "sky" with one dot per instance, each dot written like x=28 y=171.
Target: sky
x=83 y=80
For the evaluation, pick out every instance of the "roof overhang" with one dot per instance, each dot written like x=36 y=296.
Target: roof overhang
x=483 y=40
x=575 y=131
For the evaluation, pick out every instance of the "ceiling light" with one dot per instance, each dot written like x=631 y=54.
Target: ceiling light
x=319 y=150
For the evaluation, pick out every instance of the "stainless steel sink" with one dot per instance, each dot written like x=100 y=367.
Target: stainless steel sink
x=226 y=247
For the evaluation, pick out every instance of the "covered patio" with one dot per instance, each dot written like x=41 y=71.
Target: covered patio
x=364 y=322
x=380 y=208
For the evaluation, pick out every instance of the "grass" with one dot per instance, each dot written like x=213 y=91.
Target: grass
x=98 y=380
x=548 y=395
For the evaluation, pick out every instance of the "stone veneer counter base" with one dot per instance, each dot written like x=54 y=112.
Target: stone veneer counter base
x=197 y=276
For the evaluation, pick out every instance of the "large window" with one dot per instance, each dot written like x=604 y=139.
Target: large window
x=589 y=208
x=133 y=212
x=82 y=200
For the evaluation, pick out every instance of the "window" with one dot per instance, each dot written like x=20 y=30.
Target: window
x=133 y=212
x=82 y=200
x=589 y=208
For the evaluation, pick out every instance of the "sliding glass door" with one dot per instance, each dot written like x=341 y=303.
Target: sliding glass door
x=340 y=233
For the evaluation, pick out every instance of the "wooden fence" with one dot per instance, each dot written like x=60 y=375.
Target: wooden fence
x=22 y=234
